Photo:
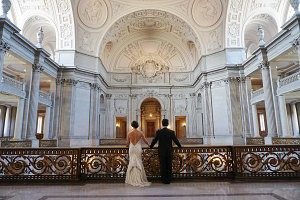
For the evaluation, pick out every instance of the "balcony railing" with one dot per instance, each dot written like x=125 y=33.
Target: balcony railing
x=289 y=79
x=110 y=164
x=12 y=86
x=45 y=98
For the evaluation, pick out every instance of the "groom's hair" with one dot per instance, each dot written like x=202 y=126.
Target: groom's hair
x=134 y=124
x=165 y=122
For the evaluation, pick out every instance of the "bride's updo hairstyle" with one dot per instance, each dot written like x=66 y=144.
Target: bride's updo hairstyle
x=134 y=124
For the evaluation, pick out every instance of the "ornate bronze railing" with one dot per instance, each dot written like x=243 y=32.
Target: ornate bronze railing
x=108 y=164
x=39 y=164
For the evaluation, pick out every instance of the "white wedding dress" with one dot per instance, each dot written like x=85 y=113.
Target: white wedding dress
x=135 y=174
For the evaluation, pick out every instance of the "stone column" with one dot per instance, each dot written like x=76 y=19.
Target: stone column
x=269 y=101
x=255 y=121
x=13 y=121
x=109 y=132
x=191 y=124
x=34 y=101
x=51 y=134
x=7 y=122
x=249 y=106
x=93 y=112
x=58 y=104
x=102 y=117
x=2 y=119
x=3 y=49
x=47 y=123
x=207 y=109
x=295 y=120
x=19 y=119
x=283 y=117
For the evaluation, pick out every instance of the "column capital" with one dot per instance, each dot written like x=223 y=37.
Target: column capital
x=94 y=86
x=4 y=46
x=231 y=79
x=70 y=82
x=108 y=96
x=205 y=84
x=264 y=65
x=37 y=67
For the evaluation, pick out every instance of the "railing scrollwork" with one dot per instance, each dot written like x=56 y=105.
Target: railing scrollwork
x=107 y=164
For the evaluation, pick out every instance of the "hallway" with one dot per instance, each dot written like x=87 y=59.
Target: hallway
x=276 y=190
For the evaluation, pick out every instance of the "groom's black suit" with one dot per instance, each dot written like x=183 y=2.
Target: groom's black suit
x=165 y=137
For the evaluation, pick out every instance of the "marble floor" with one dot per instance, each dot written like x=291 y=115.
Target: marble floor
x=177 y=190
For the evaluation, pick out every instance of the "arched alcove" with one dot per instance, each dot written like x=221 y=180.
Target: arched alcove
x=150 y=116
x=251 y=38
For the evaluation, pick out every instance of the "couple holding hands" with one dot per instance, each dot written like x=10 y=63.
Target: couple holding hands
x=135 y=174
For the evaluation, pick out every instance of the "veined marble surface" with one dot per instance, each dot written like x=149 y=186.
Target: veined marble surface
x=276 y=190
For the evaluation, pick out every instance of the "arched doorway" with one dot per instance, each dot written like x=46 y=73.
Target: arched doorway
x=150 y=116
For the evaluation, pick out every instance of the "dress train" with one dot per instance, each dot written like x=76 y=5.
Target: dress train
x=135 y=174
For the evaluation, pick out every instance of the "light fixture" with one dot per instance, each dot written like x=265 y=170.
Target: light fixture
x=118 y=125
x=184 y=124
x=150 y=115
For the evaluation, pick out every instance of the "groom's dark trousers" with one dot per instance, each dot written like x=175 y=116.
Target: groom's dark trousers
x=165 y=137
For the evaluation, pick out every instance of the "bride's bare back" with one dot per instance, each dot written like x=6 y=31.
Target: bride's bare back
x=135 y=136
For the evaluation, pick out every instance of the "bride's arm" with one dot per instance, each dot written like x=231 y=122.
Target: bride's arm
x=144 y=139
x=127 y=140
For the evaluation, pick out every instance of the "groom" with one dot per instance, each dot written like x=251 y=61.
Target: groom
x=165 y=137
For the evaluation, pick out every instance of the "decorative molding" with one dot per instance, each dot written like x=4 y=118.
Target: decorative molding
x=286 y=141
x=233 y=34
x=180 y=78
x=120 y=79
x=255 y=141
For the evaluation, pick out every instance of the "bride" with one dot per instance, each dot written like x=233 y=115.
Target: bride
x=135 y=174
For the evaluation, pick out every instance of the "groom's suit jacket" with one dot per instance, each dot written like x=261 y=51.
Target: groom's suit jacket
x=165 y=137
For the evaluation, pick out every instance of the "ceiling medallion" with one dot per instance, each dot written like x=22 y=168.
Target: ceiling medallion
x=93 y=13
x=149 y=68
x=207 y=12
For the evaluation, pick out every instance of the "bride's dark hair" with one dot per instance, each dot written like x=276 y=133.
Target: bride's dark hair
x=134 y=124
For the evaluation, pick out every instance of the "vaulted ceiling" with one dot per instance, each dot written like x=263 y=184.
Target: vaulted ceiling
x=174 y=34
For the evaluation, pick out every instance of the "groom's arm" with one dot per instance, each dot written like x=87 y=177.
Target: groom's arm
x=155 y=139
